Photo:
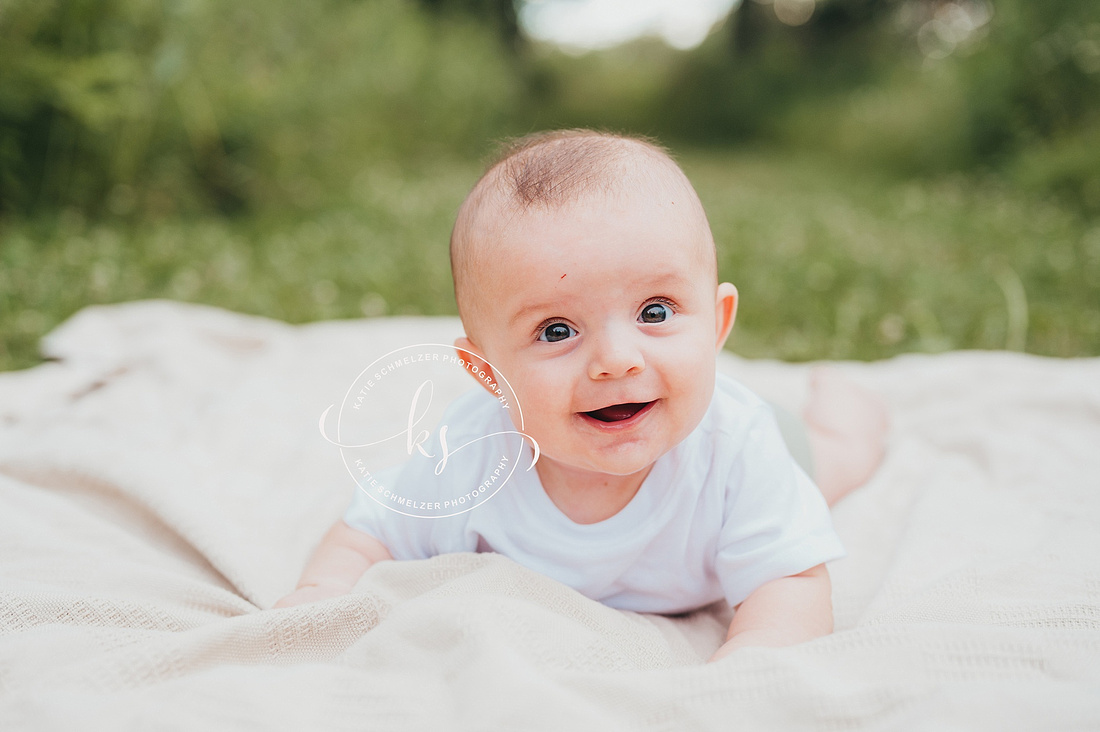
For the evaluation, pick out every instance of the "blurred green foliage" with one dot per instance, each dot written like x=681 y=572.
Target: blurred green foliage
x=159 y=108
x=916 y=87
x=890 y=175
x=186 y=106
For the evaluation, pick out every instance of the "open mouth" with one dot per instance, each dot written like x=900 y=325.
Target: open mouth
x=618 y=412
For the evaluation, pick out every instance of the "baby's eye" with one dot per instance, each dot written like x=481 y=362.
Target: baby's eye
x=655 y=312
x=556 y=332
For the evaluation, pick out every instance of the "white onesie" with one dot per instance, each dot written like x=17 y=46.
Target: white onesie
x=719 y=515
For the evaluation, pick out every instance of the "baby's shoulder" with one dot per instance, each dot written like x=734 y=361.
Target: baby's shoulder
x=734 y=410
x=738 y=438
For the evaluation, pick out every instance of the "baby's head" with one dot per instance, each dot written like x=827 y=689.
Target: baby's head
x=584 y=270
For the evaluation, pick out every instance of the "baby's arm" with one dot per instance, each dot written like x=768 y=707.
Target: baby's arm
x=782 y=612
x=342 y=557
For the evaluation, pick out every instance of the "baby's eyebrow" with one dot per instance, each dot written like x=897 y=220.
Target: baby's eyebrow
x=526 y=310
x=666 y=279
x=658 y=284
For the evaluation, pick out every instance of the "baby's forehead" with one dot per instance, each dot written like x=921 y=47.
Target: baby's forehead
x=548 y=183
x=536 y=235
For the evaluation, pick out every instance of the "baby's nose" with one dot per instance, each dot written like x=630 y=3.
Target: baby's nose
x=615 y=355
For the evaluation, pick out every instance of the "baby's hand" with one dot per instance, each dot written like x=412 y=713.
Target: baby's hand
x=311 y=593
x=341 y=558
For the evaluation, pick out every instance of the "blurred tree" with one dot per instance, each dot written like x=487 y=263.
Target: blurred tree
x=66 y=86
x=127 y=106
x=501 y=14
x=1033 y=96
x=753 y=24
x=920 y=85
x=766 y=58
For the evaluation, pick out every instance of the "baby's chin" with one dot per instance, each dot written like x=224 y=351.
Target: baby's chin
x=618 y=463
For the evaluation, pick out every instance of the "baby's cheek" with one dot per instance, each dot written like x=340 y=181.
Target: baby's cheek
x=539 y=392
x=691 y=358
x=534 y=410
x=692 y=380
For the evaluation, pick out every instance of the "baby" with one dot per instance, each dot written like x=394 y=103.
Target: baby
x=585 y=274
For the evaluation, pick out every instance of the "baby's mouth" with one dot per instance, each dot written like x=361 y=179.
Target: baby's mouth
x=617 y=412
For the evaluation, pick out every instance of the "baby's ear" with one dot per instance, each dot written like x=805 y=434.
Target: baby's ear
x=725 y=312
x=475 y=364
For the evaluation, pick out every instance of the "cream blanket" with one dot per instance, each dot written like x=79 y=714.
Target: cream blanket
x=163 y=482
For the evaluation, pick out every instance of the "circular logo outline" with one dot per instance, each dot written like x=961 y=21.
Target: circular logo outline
x=467 y=362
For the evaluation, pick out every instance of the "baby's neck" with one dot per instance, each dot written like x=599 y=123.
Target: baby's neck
x=586 y=497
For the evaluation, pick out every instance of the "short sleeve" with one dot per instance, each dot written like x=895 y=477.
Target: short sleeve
x=368 y=515
x=405 y=536
x=776 y=522
x=390 y=505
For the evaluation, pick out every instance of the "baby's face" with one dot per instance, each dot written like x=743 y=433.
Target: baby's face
x=604 y=317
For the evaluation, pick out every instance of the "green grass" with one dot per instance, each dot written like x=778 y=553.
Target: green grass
x=831 y=263
x=841 y=263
